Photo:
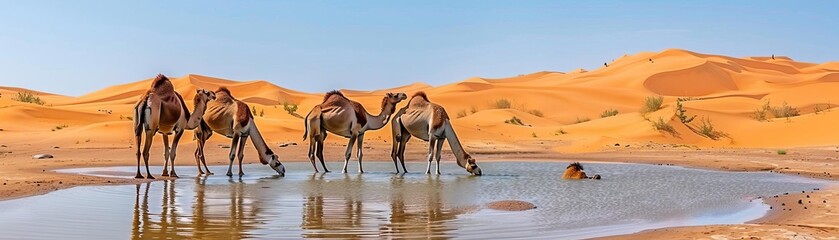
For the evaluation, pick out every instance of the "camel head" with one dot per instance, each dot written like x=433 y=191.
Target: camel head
x=394 y=98
x=274 y=162
x=204 y=96
x=471 y=167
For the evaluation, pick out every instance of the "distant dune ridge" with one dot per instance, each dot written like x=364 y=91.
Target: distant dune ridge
x=726 y=92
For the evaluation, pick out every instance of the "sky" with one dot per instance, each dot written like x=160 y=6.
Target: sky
x=77 y=47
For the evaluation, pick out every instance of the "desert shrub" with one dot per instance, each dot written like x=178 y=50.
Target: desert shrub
x=784 y=111
x=514 y=121
x=536 y=113
x=473 y=109
x=533 y=135
x=782 y=152
x=680 y=112
x=652 y=104
x=560 y=131
x=28 y=97
x=503 y=103
x=253 y=110
x=760 y=113
x=262 y=112
x=707 y=130
x=608 y=113
x=461 y=113
x=663 y=126
x=290 y=108
x=582 y=120
x=59 y=127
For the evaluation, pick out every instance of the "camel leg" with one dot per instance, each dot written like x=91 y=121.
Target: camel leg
x=241 y=153
x=312 y=143
x=349 y=152
x=360 y=154
x=431 y=143
x=439 y=153
x=174 y=152
x=198 y=158
x=406 y=136
x=165 y=155
x=139 y=138
x=394 y=151
x=198 y=137
x=205 y=135
x=146 y=150
x=232 y=154
x=319 y=146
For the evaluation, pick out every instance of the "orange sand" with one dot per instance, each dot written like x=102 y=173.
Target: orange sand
x=725 y=90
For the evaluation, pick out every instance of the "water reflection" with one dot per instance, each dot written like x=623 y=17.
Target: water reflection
x=187 y=209
x=217 y=214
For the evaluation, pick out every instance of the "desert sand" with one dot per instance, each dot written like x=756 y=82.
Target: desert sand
x=560 y=116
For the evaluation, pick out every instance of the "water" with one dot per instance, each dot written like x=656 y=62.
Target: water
x=381 y=204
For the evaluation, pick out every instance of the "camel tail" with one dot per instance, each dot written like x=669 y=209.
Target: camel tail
x=306 y=122
x=140 y=116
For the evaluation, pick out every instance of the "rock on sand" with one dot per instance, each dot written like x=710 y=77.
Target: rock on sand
x=511 y=205
x=41 y=156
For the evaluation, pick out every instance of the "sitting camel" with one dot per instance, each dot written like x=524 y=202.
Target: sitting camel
x=161 y=110
x=344 y=117
x=232 y=118
x=575 y=171
x=429 y=122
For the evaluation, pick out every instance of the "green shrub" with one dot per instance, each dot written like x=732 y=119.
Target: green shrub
x=28 y=97
x=608 y=113
x=290 y=107
x=663 y=126
x=652 y=104
x=782 y=152
x=707 y=130
x=680 y=112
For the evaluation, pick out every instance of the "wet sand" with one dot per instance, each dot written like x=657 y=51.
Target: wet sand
x=24 y=176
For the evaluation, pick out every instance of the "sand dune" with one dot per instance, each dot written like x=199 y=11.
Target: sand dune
x=726 y=90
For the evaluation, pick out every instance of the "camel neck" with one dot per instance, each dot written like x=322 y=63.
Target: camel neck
x=454 y=143
x=197 y=115
x=259 y=143
x=379 y=121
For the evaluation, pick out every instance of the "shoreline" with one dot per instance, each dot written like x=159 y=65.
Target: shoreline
x=46 y=178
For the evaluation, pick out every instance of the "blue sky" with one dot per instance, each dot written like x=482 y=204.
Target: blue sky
x=75 y=47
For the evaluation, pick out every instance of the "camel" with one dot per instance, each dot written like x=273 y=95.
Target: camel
x=575 y=171
x=161 y=110
x=202 y=131
x=429 y=122
x=232 y=118
x=341 y=116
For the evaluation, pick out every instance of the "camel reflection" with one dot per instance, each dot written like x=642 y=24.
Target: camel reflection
x=414 y=212
x=220 y=213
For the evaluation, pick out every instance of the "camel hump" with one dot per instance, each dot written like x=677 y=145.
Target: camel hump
x=360 y=113
x=440 y=116
x=576 y=165
x=223 y=95
x=243 y=113
x=420 y=94
x=332 y=93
